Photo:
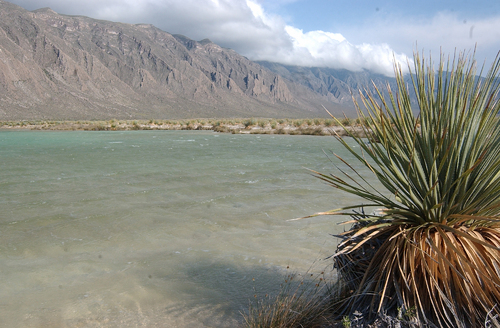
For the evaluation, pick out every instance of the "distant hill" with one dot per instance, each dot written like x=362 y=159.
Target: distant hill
x=336 y=84
x=63 y=67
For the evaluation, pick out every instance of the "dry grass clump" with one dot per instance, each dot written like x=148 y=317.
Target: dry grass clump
x=303 y=301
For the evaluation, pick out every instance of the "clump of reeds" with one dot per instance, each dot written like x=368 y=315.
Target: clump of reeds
x=303 y=301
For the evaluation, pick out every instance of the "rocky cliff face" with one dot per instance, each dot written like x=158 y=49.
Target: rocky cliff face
x=334 y=84
x=69 y=67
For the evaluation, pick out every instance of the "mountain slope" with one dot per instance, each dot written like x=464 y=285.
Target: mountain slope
x=55 y=66
x=336 y=84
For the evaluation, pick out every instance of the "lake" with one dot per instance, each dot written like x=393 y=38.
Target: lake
x=157 y=228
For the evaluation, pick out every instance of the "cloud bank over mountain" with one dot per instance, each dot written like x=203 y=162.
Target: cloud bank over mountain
x=247 y=27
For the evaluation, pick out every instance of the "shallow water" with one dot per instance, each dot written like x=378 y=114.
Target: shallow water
x=156 y=228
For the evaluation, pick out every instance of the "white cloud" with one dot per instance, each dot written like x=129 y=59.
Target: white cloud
x=326 y=49
x=267 y=37
x=244 y=26
x=443 y=33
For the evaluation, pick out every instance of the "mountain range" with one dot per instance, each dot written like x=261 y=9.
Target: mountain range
x=62 y=67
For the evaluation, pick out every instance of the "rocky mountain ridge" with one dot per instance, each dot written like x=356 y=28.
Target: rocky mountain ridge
x=56 y=66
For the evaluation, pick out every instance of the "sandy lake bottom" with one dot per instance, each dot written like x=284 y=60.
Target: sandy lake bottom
x=156 y=228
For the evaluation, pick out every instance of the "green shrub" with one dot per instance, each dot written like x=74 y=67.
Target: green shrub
x=329 y=122
x=347 y=121
x=249 y=123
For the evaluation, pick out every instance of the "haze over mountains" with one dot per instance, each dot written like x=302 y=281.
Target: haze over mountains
x=63 y=67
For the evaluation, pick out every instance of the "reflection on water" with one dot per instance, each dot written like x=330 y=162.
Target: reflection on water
x=155 y=228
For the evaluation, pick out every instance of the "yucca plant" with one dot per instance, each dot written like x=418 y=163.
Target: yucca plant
x=435 y=246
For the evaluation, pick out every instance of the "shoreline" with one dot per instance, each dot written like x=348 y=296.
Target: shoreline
x=319 y=127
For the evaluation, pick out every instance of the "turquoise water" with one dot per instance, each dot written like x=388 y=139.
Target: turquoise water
x=156 y=228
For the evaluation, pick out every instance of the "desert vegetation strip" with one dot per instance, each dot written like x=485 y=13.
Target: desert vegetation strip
x=316 y=126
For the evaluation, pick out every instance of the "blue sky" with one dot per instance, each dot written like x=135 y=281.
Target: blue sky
x=337 y=15
x=353 y=34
